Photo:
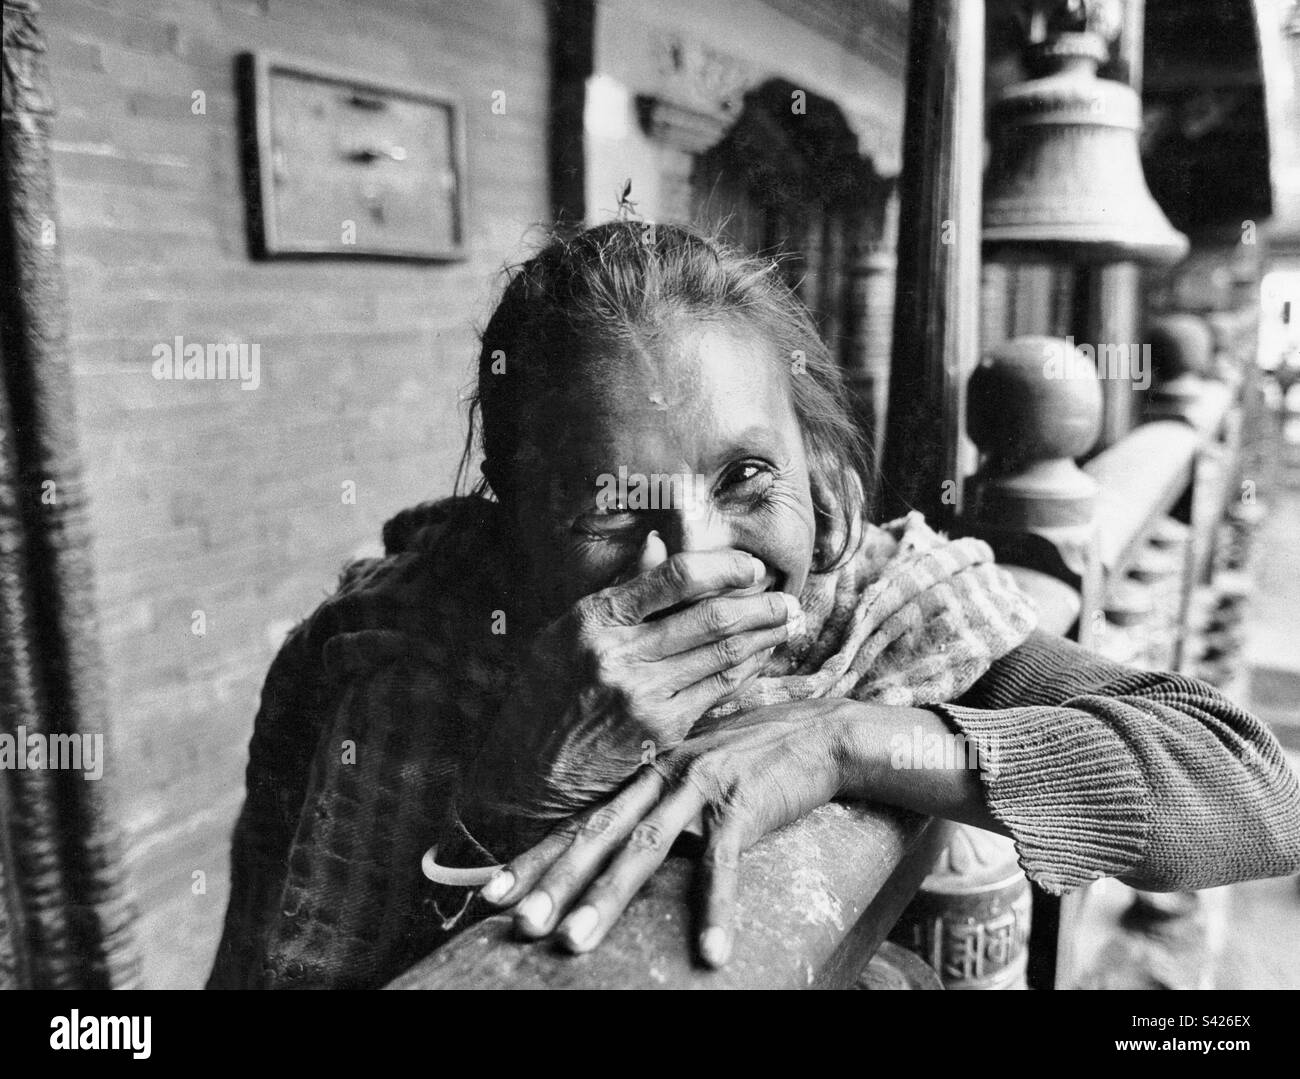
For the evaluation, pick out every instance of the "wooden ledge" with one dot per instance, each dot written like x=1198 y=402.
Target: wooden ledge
x=816 y=900
x=1058 y=604
x=1140 y=478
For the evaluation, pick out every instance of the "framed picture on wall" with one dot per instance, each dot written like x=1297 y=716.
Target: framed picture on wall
x=338 y=164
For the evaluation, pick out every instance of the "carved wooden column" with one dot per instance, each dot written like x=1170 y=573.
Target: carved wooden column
x=871 y=305
x=572 y=45
x=1109 y=297
x=936 y=313
x=971 y=917
x=994 y=305
x=64 y=906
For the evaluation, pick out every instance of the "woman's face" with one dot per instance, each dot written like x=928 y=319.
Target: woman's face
x=693 y=436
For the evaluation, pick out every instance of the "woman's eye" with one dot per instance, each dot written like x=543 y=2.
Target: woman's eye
x=614 y=523
x=747 y=480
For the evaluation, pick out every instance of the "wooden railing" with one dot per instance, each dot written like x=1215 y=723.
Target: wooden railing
x=816 y=900
x=1139 y=479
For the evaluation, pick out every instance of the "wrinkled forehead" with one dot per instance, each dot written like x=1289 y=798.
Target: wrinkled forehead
x=690 y=392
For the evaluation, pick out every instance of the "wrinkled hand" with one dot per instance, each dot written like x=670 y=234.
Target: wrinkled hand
x=617 y=674
x=752 y=774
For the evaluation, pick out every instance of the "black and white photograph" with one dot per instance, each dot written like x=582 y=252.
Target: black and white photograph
x=651 y=494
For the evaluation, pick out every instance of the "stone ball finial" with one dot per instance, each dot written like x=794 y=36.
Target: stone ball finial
x=1105 y=18
x=1034 y=399
x=1181 y=344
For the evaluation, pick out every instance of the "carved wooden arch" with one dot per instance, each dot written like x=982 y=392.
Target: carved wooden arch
x=788 y=178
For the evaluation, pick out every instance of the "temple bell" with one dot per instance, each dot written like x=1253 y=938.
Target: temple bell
x=1065 y=179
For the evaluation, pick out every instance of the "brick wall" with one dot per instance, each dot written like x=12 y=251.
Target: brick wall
x=210 y=498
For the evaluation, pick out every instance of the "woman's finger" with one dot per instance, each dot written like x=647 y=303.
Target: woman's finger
x=514 y=879
x=690 y=668
x=554 y=878
x=684 y=578
x=721 y=870
x=643 y=853
x=704 y=694
x=711 y=620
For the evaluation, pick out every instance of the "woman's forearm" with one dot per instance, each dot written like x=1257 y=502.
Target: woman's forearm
x=1149 y=776
x=911 y=758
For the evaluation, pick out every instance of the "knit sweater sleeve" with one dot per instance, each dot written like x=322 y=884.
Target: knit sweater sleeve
x=1098 y=770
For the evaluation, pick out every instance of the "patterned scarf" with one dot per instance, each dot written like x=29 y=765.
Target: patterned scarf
x=326 y=880
x=912 y=619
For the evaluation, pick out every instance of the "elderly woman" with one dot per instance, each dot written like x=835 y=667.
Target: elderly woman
x=664 y=608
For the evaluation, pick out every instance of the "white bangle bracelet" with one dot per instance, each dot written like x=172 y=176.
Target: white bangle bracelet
x=459 y=878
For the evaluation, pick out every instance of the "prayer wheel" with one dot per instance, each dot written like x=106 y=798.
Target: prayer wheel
x=970 y=919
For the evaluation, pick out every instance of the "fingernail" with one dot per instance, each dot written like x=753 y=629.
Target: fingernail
x=793 y=609
x=715 y=945
x=653 y=551
x=534 y=910
x=579 y=926
x=496 y=888
x=760 y=570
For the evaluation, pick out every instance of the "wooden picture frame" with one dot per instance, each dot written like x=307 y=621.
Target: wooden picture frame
x=341 y=165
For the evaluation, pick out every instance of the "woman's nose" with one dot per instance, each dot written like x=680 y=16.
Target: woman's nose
x=699 y=528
